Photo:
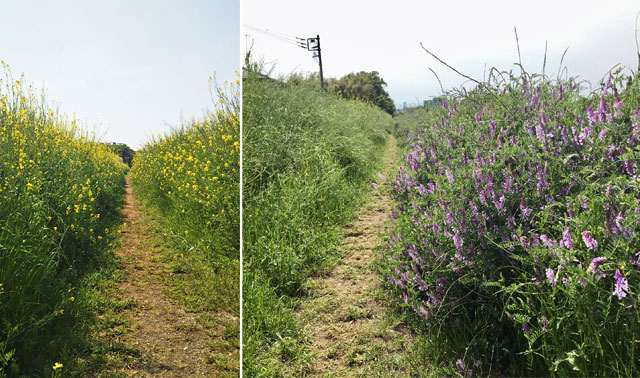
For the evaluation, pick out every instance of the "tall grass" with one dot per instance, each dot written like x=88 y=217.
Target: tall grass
x=59 y=194
x=192 y=177
x=307 y=159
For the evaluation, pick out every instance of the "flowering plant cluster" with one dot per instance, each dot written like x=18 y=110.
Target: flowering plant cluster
x=515 y=231
x=60 y=192
x=193 y=177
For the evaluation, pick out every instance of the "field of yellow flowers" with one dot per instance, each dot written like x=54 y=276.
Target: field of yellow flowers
x=59 y=194
x=192 y=176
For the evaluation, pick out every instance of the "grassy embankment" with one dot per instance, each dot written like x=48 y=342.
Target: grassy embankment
x=308 y=160
x=59 y=196
x=191 y=178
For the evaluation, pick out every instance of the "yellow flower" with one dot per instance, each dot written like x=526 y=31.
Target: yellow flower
x=57 y=366
x=72 y=299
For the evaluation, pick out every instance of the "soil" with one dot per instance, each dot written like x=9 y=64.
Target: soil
x=345 y=316
x=170 y=340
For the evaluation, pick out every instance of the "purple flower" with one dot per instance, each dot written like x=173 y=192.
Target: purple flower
x=629 y=167
x=589 y=240
x=526 y=211
x=450 y=219
x=381 y=176
x=551 y=276
x=525 y=327
x=457 y=240
x=524 y=242
x=375 y=186
x=567 y=241
x=449 y=176
x=603 y=134
x=594 y=263
x=593 y=118
x=545 y=323
x=622 y=286
x=547 y=242
x=462 y=368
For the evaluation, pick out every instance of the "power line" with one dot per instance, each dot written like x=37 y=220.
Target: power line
x=296 y=41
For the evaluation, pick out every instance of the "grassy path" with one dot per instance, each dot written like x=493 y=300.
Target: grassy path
x=164 y=339
x=345 y=316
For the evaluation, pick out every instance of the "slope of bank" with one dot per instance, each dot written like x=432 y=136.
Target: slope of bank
x=308 y=160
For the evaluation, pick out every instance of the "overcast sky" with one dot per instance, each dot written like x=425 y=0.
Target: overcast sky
x=385 y=37
x=129 y=68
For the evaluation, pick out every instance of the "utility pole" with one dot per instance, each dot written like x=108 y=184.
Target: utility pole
x=313 y=44
x=320 y=62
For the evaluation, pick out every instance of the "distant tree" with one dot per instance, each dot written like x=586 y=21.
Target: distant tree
x=365 y=86
x=125 y=152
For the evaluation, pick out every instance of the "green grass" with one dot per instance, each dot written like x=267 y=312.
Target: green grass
x=307 y=160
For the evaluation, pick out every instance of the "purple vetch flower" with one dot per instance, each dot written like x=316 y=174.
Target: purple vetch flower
x=622 y=286
x=570 y=210
x=545 y=323
x=449 y=176
x=617 y=105
x=483 y=198
x=547 y=242
x=462 y=368
x=551 y=276
x=593 y=118
x=629 y=167
x=526 y=211
x=375 y=186
x=584 y=203
x=381 y=176
x=457 y=240
x=607 y=191
x=450 y=219
x=540 y=134
x=603 y=133
x=591 y=243
x=525 y=327
x=594 y=266
x=567 y=241
x=499 y=204
x=404 y=297
x=524 y=242
x=535 y=240
x=635 y=262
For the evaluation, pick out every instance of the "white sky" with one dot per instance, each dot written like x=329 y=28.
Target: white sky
x=384 y=36
x=129 y=68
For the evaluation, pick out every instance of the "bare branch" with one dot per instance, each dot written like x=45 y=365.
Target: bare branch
x=446 y=64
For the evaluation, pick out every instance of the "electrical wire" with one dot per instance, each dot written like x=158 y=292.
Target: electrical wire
x=296 y=41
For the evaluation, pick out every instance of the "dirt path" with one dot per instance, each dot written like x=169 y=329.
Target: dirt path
x=170 y=340
x=350 y=334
